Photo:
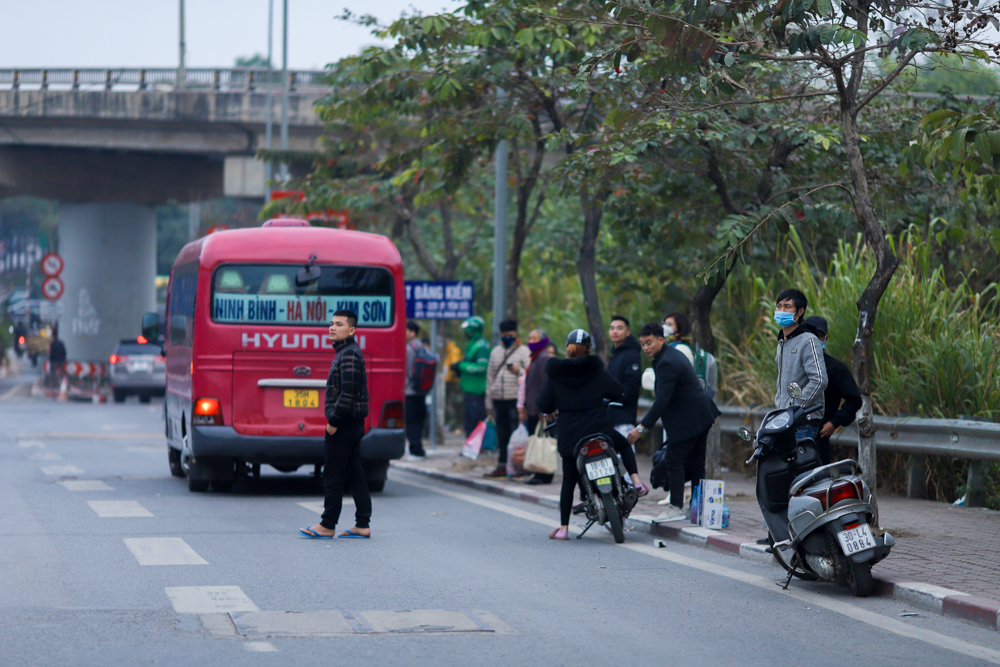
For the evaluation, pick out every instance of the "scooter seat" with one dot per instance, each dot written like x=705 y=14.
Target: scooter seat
x=844 y=470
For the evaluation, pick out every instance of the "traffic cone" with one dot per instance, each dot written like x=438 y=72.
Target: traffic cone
x=63 y=390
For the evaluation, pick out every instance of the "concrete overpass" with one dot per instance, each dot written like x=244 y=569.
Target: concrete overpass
x=111 y=144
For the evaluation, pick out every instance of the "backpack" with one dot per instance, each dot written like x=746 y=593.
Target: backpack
x=424 y=369
x=707 y=371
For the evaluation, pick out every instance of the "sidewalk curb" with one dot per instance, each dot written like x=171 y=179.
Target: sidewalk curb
x=974 y=609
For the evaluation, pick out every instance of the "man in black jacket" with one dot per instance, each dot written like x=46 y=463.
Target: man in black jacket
x=625 y=366
x=687 y=412
x=346 y=409
x=840 y=387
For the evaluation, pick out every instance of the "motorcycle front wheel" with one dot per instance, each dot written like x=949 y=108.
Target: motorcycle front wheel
x=614 y=518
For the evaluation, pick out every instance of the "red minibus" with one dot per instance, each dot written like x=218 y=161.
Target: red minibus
x=247 y=352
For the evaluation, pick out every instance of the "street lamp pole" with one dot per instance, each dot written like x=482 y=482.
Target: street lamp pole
x=181 y=69
x=285 y=86
x=269 y=125
x=499 y=236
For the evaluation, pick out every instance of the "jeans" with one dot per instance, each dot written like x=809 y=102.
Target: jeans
x=475 y=411
x=807 y=431
x=505 y=417
x=685 y=458
x=343 y=465
x=416 y=414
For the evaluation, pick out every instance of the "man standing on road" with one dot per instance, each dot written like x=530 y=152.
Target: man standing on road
x=840 y=387
x=472 y=373
x=687 y=412
x=799 y=360
x=508 y=361
x=625 y=366
x=346 y=409
x=416 y=400
x=57 y=358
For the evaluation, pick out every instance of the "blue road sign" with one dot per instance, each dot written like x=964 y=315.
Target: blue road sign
x=438 y=299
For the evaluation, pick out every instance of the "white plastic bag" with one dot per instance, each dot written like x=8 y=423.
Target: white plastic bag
x=515 y=451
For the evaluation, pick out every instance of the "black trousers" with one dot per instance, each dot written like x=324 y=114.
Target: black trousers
x=343 y=468
x=685 y=459
x=505 y=417
x=474 y=411
x=570 y=480
x=416 y=415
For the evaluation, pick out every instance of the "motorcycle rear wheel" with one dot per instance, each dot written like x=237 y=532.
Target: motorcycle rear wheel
x=804 y=575
x=614 y=518
x=859 y=579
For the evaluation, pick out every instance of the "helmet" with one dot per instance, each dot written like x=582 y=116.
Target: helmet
x=578 y=337
x=474 y=323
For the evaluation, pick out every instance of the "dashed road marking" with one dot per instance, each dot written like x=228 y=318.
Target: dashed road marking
x=85 y=485
x=27 y=444
x=118 y=509
x=45 y=456
x=163 y=551
x=209 y=599
x=261 y=647
x=317 y=505
x=61 y=470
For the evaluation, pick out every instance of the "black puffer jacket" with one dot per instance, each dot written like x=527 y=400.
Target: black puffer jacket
x=347 y=386
x=626 y=367
x=577 y=388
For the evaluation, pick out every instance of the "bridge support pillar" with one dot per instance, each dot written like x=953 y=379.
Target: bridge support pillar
x=109 y=252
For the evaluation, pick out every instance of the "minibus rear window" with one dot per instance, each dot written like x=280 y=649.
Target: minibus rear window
x=267 y=294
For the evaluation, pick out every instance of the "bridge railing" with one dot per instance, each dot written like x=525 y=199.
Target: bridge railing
x=233 y=79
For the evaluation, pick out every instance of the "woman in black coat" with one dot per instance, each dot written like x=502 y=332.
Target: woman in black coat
x=577 y=387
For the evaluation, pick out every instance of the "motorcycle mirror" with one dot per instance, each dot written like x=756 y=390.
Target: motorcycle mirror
x=744 y=434
x=794 y=390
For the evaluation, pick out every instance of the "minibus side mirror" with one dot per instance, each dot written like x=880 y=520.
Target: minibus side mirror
x=151 y=326
x=309 y=274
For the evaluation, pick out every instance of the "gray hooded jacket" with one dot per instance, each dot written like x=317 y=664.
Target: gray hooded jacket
x=800 y=359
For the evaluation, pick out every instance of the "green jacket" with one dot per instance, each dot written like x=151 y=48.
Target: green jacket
x=473 y=367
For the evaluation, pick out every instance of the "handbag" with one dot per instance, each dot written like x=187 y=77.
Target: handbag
x=542 y=453
x=474 y=443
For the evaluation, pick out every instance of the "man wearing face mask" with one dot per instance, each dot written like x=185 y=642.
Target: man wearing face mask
x=841 y=387
x=799 y=359
x=508 y=361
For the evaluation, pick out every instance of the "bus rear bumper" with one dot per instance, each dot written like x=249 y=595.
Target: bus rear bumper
x=378 y=443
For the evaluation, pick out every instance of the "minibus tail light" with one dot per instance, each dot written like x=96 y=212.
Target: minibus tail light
x=207 y=412
x=392 y=415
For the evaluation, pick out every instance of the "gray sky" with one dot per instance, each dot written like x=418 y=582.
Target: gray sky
x=137 y=33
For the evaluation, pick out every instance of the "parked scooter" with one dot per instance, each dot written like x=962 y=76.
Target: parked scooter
x=821 y=519
x=607 y=499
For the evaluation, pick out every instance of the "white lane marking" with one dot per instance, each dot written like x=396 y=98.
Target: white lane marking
x=317 y=505
x=85 y=485
x=13 y=390
x=209 y=599
x=163 y=551
x=45 y=456
x=61 y=470
x=764 y=583
x=260 y=647
x=27 y=444
x=118 y=509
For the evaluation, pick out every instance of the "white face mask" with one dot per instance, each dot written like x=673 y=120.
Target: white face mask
x=668 y=331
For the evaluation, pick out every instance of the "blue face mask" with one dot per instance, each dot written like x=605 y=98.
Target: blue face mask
x=508 y=340
x=784 y=319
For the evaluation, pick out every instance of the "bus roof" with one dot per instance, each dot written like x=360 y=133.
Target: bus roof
x=292 y=245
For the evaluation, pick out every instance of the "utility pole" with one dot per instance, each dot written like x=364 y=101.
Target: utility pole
x=284 y=87
x=499 y=235
x=182 y=68
x=269 y=124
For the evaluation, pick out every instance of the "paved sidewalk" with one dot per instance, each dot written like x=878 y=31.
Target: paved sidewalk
x=945 y=558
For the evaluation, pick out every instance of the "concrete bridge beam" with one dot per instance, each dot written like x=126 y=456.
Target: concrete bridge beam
x=109 y=275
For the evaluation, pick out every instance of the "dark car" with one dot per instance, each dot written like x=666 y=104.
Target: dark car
x=139 y=368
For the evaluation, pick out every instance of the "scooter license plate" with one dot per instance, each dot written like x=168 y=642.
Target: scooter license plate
x=856 y=539
x=601 y=468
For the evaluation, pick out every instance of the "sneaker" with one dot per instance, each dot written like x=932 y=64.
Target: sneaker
x=672 y=513
x=665 y=501
x=534 y=481
x=500 y=472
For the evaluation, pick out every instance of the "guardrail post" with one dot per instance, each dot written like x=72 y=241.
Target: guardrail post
x=45 y=79
x=216 y=77
x=76 y=80
x=15 y=81
x=975 y=489
x=713 y=452
x=916 y=478
x=142 y=79
x=107 y=80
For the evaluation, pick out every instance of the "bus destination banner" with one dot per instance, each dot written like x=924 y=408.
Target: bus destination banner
x=291 y=309
x=438 y=299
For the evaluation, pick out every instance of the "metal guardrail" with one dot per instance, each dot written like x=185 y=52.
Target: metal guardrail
x=977 y=441
x=232 y=79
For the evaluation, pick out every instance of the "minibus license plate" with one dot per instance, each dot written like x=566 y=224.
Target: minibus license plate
x=856 y=539
x=602 y=468
x=301 y=398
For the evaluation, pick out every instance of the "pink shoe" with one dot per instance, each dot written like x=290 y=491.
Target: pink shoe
x=559 y=533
